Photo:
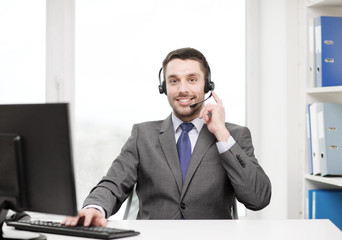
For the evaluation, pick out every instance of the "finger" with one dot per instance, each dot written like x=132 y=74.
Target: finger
x=75 y=221
x=209 y=108
x=201 y=113
x=89 y=218
x=70 y=221
x=67 y=220
x=80 y=218
x=204 y=112
x=217 y=99
x=207 y=112
x=207 y=116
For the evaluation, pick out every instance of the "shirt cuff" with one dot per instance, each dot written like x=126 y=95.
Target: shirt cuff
x=225 y=146
x=98 y=208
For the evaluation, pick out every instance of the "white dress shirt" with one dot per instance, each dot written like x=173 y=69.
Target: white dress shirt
x=194 y=133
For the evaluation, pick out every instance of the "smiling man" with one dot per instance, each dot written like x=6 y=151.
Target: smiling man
x=192 y=165
x=185 y=84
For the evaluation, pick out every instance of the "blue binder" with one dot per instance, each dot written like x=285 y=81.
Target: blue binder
x=329 y=124
x=328 y=51
x=326 y=204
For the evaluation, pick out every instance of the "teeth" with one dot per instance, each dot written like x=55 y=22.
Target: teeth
x=184 y=100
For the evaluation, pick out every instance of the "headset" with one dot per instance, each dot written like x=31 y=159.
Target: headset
x=209 y=85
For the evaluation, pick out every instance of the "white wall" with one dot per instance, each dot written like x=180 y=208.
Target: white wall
x=273 y=67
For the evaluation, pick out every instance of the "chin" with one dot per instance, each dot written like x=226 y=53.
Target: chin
x=186 y=115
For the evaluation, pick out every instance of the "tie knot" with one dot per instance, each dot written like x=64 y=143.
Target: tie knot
x=186 y=126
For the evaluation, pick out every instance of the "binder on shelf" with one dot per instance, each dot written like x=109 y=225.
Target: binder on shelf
x=308 y=142
x=311 y=54
x=328 y=49
x=326 y=138
x=314 y=143
x=325 y=204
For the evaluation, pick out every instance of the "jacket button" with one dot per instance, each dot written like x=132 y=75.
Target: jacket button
x=242 y=164
x=182 y=205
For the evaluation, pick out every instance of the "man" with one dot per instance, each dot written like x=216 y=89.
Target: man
x=180 y=173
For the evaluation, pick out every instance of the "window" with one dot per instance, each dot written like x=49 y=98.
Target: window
x=22 y=51
x=119 y=49
x=120 y=46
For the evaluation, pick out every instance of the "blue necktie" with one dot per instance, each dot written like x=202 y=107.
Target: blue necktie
x=184 y=147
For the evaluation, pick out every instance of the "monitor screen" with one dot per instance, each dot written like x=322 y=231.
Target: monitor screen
x=35 y=144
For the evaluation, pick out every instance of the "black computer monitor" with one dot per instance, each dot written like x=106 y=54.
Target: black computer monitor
x=36 y=166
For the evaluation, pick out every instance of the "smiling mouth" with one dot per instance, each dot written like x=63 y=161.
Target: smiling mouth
x=184 y=100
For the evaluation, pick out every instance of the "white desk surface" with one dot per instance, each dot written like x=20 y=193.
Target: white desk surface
x=225 y=229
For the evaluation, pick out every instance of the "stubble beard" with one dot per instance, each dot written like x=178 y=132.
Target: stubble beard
x=188 y=116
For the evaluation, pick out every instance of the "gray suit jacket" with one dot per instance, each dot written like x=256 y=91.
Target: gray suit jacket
x=149 y=159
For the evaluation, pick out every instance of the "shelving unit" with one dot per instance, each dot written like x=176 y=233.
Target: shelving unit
x=333 y=181
x=321 y=90
x=323 y=3
x=315 y=8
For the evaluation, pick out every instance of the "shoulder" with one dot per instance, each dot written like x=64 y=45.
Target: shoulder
x=150 y=127
x=155 y=126
x=149 y=124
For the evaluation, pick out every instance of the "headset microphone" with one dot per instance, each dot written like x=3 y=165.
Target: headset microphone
x=194 y=105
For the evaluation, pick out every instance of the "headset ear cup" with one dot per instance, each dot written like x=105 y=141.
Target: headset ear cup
x=161 y=89
x=162 y=85
x=211 y=86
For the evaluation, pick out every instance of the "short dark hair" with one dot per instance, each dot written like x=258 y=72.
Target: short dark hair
x=188 y=53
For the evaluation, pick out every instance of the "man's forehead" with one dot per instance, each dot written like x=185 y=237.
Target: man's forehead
x=184 y=67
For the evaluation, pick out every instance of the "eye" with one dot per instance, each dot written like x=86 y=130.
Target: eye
x=173 y=81
x=192 y=80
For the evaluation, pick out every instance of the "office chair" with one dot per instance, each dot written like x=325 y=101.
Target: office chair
x=234 y=210
x=132 y=207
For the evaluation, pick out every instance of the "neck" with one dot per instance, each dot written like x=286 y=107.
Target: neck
x=190 y=117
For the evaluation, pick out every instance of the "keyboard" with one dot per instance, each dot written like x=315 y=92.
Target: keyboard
x=79 y=231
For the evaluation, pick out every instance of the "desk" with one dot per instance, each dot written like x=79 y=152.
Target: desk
x=226 y=229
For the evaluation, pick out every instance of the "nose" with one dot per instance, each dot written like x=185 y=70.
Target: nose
x=183 y=86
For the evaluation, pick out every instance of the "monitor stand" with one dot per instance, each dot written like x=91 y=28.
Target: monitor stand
x=14 y=234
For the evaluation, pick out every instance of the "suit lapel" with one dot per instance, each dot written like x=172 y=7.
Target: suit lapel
x=168 y=144
x=205 y=140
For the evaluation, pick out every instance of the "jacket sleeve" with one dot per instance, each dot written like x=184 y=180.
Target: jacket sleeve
x=251 y=184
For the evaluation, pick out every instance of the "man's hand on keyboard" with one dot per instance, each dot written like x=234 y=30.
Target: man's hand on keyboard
x=86 y=217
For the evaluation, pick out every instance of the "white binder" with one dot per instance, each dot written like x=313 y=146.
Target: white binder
x=328 y=117
x=315 y=158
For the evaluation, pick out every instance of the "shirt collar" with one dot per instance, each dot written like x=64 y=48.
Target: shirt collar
x=198 y=123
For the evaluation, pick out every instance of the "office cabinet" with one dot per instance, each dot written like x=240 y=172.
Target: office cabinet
x=313 y=94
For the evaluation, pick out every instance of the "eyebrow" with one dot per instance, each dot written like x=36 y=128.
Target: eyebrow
x=188 y=75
